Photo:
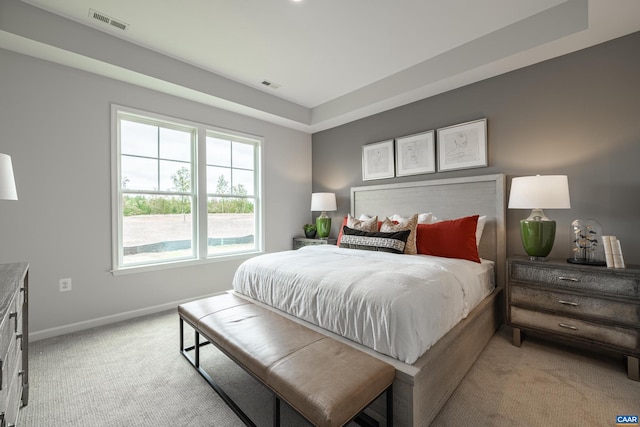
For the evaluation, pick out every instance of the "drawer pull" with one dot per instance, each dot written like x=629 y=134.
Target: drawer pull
x=19 y=337
x=568 y=279
x=564 y=325
x=573 y=304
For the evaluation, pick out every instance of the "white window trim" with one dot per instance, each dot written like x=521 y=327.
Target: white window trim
x=200 y=213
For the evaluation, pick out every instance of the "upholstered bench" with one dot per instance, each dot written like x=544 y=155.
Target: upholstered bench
x=328 y=382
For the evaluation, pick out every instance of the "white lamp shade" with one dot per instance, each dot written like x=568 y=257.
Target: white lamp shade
x=7 y=183
x=540 y=192
x=323 y=202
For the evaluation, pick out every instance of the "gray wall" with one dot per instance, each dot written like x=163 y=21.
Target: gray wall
x=55 y=123
x=577 y=115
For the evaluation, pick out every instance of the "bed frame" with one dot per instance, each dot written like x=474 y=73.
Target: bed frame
x=422 y=389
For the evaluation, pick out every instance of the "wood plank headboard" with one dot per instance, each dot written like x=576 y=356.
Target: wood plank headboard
x=446 y=199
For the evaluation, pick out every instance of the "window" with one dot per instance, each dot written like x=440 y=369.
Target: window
x=182 y=191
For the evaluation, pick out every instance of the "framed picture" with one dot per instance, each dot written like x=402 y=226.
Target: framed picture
x=416 y=154
x=463 y=146
x=377 y=160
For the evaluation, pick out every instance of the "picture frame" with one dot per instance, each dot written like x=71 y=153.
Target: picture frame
x=463 y=146
x=377 y=160
x=416 y=154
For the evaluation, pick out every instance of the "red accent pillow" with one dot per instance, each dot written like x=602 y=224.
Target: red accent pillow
x=455 y=238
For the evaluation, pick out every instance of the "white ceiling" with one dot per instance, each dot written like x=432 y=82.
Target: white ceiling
x=345 y=59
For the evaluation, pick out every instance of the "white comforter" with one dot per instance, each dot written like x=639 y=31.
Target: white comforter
x=398 y=305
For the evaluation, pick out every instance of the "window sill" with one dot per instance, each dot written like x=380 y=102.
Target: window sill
x=183 y=263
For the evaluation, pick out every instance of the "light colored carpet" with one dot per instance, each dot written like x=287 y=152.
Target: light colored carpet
x=132 y=374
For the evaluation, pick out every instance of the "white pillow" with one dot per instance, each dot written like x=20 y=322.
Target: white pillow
x=423 y=218
x=479 y=228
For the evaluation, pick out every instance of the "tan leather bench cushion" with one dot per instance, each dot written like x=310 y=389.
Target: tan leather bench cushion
x=329 y=382
x=255 y=336
x=325 y=380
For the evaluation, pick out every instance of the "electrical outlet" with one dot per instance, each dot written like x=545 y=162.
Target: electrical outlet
x=65 y=285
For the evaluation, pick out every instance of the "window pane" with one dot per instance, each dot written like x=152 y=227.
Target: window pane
x=156 y=228
x=175 y=144
x=175 y=176
x=218 y=152
x=243 y=155
x=138 y=139
x=139 y=173
x=231 y=225
x=242 y=182
x=218 y=180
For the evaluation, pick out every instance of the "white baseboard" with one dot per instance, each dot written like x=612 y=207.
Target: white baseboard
x=100 y=321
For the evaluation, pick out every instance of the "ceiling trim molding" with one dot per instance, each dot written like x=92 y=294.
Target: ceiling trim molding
x=31 y=31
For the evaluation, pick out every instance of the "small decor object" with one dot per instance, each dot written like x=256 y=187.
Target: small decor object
x=463 y=146
x=587 y=247
x=415 y=154
x=377 y=160
x=536 y=193
x=323 y=202
x=309 y=230
x=613 y=252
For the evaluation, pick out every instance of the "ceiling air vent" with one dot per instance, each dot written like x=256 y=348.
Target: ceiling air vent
x=106 y=19
x=271 y=85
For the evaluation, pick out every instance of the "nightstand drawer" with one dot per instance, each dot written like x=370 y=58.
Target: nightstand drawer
x=576 y=305
x=615 y=336
x=606 y=282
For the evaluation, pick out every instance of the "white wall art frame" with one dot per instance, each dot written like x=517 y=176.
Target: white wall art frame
x=463 y=146
x=416 y=154
x=377 y=160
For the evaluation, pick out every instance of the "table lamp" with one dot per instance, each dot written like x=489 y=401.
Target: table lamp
x=537 y=193
x=323 y=202
x=7 y=183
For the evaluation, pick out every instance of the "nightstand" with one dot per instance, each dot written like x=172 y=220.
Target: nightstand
x=596 y=306
x=299 y=242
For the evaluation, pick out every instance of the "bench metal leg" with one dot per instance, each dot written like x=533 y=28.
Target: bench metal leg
x=196 y=364
x=364 y=420
x=276 y=411
x=390 y=406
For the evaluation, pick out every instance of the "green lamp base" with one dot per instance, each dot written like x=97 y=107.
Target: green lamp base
x=537 y=237
x=323 y=225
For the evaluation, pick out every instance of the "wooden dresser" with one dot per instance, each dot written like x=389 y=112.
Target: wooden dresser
x=597 y=306
x=14 y=333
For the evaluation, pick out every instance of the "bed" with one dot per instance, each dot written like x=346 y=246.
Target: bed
x=430 y=358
